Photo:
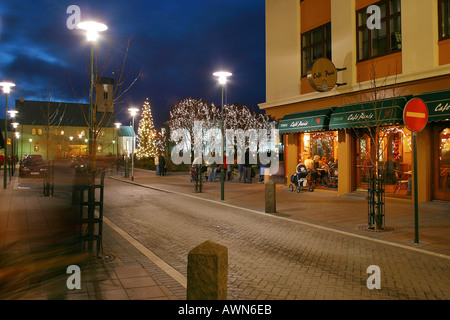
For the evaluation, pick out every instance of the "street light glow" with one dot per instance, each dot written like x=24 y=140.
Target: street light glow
x=13 y=113
x=92 y=29
x=133 y=111
x=7 y=86
x=15 y=125
x=222 y=75
x=118 y=125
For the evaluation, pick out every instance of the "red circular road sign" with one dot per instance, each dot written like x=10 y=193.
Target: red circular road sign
x=415 y=114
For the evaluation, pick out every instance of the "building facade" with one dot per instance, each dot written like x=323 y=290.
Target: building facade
x=58 y=130
x=382 y=54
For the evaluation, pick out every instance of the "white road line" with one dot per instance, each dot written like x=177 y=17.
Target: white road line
x=174 y=274
x=439 y=255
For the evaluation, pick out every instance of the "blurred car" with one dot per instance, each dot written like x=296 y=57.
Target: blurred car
x=33 y=166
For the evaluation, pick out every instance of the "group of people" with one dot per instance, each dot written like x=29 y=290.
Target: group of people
x=160 y=163
x=245 y=170
x=321 y=168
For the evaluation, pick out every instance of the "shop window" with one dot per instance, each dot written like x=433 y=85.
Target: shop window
x=36 y=146
x=444 y=19
x=33 y=132
x=444 y=159
x=39 y=132
x=378 y=42
x=316 y=44
x=394 y=159
x=319 y=152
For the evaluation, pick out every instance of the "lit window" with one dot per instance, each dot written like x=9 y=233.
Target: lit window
x=316 y=44
x=33 y=132
x=40 y=132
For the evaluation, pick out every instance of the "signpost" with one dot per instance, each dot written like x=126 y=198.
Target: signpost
x=415 y=117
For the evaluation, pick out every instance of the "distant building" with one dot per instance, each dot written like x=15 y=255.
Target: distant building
x=60 y=130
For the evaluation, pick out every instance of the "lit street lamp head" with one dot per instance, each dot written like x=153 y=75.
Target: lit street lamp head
x=133 y=111
x=118 y=125
x=222 y=75
x=13 y=113
x=92 y=29
x=7 y=86
x=15 y=125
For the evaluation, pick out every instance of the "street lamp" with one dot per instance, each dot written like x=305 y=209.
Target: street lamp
x=133 y=112
x=31 y=140
x=6 y=89
x=118 y=125
x=92 y=29
x=222 y=76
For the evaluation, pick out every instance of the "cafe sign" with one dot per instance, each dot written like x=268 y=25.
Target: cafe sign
x=323 y=75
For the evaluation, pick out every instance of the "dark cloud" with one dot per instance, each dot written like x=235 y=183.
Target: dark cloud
x=177 y=44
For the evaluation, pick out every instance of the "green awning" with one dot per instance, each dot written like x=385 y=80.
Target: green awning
x=316 y=120
x=369 y=114
x=125 y=131
x=438 y=103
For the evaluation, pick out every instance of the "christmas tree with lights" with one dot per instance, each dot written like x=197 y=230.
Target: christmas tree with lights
x=147 y=136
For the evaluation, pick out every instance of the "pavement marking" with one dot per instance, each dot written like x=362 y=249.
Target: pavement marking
x=439 y=255
x=174 y=274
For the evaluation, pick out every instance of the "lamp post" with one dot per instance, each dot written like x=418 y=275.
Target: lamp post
x=6 y=89
x=13 y=152
x=222 y=75
x=31 y=140
x=118 y=125
x=92 y=29
x=133 y=112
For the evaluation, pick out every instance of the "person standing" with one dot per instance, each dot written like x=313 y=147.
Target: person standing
x=212 y=170
x=157 y=164
x=247 y=168
x=162 y=165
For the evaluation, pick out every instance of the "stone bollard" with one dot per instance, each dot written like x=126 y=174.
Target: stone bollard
x=207 y=272
x=271 y=197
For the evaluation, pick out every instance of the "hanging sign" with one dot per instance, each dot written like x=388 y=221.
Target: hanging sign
x=323 y=75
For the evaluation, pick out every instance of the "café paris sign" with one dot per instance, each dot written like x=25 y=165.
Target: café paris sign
x=323 y=75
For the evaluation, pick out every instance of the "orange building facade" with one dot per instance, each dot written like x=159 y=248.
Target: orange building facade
x=378 y=71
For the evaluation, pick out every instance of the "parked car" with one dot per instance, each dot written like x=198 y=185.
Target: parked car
x=33 y=166
x=79 y=162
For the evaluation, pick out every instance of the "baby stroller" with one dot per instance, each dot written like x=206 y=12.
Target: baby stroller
x=301 y=179
x=193 y=174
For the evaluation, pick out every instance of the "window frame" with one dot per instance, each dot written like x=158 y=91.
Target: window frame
x=387 y=19
x=442 y=37
x=326 y=39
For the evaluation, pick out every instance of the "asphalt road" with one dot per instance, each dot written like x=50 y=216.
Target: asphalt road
x=272 y=257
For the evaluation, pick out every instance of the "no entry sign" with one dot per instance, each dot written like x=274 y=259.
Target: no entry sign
x=415 y=115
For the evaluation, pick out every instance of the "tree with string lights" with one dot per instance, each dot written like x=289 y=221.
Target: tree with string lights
x=147 y=135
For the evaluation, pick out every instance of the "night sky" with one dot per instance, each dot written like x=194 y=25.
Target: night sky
x=177 y=44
